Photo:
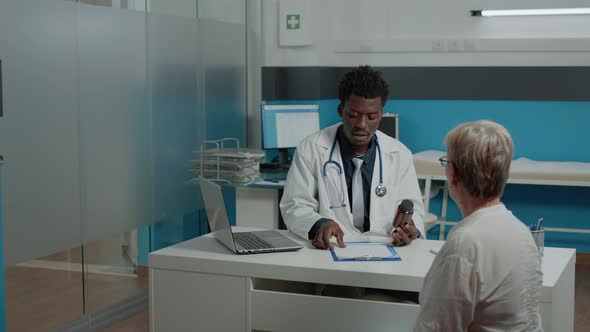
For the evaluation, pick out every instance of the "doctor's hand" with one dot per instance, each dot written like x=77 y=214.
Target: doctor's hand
x=325 y=233
x=404 y=235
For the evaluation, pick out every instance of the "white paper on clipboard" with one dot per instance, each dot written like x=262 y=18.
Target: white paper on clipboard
x=364 y=250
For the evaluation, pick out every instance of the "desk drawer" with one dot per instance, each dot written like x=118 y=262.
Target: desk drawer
x=301 y=310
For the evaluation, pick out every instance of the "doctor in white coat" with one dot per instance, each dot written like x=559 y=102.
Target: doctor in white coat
x=317 y=203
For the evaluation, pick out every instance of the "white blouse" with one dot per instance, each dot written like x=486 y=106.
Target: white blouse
x=486 y=277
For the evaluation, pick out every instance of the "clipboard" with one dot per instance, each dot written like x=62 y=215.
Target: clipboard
x=364 y=252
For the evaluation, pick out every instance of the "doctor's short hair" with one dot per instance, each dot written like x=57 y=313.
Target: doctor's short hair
x=363 y=81
x=481 y=152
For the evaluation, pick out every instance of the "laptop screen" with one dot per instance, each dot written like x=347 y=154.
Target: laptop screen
x=216 y=212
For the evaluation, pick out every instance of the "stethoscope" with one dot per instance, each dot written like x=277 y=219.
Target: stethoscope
x=337 y=197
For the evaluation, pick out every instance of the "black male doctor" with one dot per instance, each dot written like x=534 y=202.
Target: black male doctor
x=322 y=198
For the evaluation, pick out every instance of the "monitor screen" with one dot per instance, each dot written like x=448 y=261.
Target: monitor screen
x=389 y=125
x=284 y=126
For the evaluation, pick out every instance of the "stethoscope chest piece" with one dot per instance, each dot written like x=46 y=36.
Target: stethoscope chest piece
x=380 y=190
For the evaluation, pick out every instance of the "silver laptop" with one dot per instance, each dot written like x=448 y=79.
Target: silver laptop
x=242 y=242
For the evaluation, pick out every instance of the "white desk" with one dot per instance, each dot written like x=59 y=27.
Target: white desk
x=200 y=285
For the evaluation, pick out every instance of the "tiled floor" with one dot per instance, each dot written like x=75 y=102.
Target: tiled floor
x=140 y=321
x=52 y=298
x=48 y=293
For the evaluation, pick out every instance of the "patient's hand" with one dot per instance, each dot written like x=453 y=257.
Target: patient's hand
x=325 y=233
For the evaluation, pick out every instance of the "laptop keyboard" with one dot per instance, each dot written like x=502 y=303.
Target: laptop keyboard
x=251 y=241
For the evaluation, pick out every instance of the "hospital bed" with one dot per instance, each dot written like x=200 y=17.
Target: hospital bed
x=522 y=171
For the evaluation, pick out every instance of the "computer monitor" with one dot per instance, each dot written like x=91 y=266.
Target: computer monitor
x=389 y=125
x=284 y=126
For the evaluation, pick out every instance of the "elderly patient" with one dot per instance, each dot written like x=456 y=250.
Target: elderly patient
x=487 y=276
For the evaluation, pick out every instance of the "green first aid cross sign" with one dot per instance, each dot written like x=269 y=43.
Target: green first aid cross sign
x=293 y=21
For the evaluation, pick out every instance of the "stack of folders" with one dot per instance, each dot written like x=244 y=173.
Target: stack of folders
x=233 y=165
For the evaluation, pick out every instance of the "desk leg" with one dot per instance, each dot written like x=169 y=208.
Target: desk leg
x=562 y=302
x=443 y=211
x=426 y=196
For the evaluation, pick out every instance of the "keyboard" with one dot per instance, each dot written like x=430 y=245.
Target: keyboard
x=251 y=241
x=270 y=166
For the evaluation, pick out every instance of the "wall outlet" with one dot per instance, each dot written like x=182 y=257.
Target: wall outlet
x=469 y=46
x=438 y=46
x=454 y=45
x=364 y=48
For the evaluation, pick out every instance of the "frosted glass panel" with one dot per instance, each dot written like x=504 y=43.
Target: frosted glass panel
x=111 y=276
x=223 y=48
x=174 y=69
x=102 y=112
x=39 y=129
x=115 y=158
x=186 y=8
x=230 y=11
x=197 y=70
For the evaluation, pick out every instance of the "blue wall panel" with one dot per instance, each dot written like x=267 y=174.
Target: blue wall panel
x=541 y=130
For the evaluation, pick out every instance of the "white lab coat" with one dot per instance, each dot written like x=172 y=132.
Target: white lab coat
x=305 y=199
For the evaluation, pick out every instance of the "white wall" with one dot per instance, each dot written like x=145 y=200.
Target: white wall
x=401 y=33
x=404 y=33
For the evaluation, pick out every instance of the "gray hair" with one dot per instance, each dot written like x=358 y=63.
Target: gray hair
x=481 y=151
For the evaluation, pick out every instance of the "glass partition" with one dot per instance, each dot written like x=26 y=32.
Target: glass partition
x=197 y=67
x=173 y=69
x=39 y=128
x=46 y=293
x=114 y=121
x=104 y=102
x=112 y=277
x=38 y=139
